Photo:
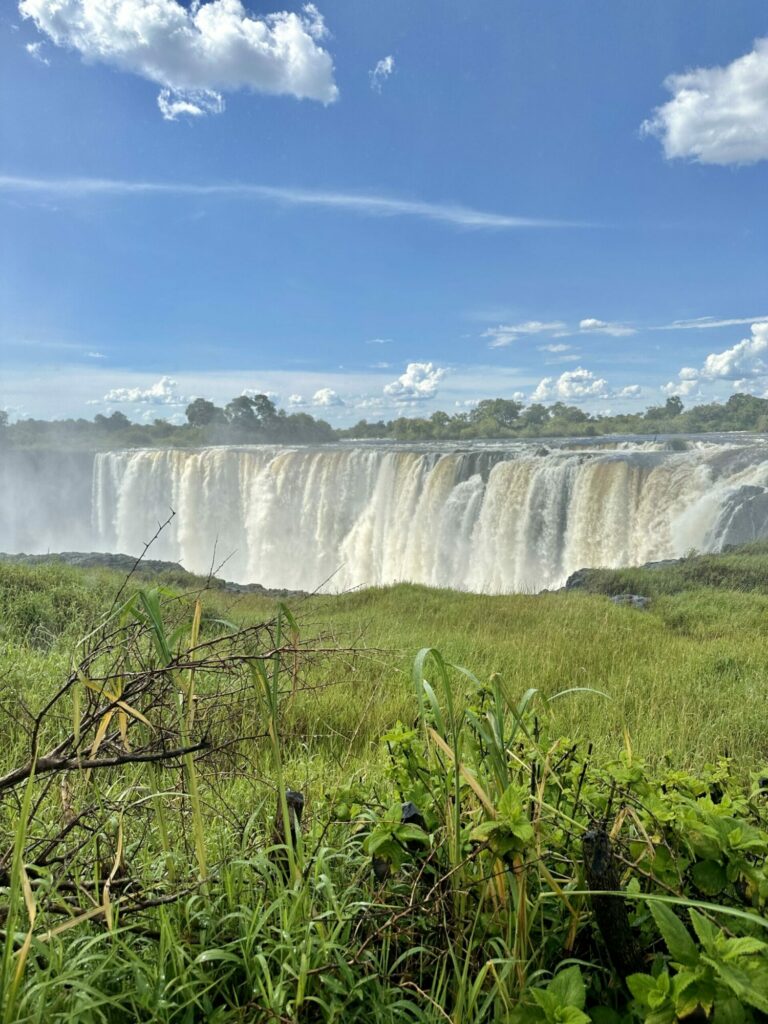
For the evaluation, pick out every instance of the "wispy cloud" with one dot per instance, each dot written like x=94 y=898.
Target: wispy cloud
x=381 y=72
x=35 y=50
x=367 y=204
x=591 y=325
x=505 y=334
x=703 y=323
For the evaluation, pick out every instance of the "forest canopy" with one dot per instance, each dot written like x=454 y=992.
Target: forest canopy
x=255 y=419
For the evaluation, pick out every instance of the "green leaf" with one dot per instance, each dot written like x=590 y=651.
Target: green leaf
x=547 y=1001
x=570 y=1015
x=730 y=1011
x=750 y=987
x=681 y=946
x=411 y=833
x=744 y=946
x=709 y=876
x=568 y=987
x=641 y=986
x=706 y=932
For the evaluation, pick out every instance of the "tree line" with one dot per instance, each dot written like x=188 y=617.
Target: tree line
x=254 y=419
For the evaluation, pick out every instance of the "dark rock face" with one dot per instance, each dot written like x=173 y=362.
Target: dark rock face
x=578 y=580
x=743 y=518
x=632 y=601
x=664 y=563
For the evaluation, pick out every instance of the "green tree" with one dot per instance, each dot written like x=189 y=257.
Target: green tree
x=535 y=415
x=201 y=413
x=502 y=411
x=117 y=421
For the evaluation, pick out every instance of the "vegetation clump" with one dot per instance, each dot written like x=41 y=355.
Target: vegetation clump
x=254 y=419
x=464 y=861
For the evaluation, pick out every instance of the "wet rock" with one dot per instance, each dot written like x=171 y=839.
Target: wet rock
x=126 y=564
x=578 y=580
x=632 y=601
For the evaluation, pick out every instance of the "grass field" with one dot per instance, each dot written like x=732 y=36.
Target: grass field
x=674 y=689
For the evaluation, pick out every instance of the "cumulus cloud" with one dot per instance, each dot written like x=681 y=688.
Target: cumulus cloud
x=195 y=52
x=717 y=115
x=326 y=398
x=683 y=388
x=161 y=393
x=504 y=334
x=573 y=384
x=591 y=325
x=381 y=72
x=296 y=401
x=745 y=361
x=273 y=396
x=35 y=50
x=629 y=391
x=419 y=383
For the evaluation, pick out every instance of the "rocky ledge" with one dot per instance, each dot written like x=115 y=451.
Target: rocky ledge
x=173 y=571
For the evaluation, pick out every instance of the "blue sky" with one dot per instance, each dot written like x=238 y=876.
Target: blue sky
x=201 y=200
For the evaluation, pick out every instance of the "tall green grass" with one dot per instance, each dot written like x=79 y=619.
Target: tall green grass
x=478 y=908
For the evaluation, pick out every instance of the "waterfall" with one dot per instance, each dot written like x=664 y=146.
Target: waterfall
x=494 y=518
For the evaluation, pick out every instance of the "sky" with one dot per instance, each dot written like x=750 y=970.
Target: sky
x=370 y=209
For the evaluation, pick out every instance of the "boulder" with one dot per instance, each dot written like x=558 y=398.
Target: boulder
x=632 y=601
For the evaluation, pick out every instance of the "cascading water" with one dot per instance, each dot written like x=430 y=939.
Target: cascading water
x=495 y=518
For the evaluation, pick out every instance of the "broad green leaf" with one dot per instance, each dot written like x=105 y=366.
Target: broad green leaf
x=706 y=932
x=751 y=987
x=681 y=946
x=709 y=876
x=641 y=986
x=570 y=1015
x=568 y=987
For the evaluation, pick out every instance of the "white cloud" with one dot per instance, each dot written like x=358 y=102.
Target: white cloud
x=560 y=347
x=717 y=115
x=505 y=334
x=326 y=398
x=35 y=50
x=195 y=52
x=591 y=325
x=381 y=366
x=703 y=323
x=744 y=362
x=629 y=391
x=273 y=396
x=381 y=72
x=370 y=403
x=192 y=103
x=162 y=393
x=745 y=359
x=95 y=355
x=296 y=401
x=358 y=202
x=379 y=341
x=572 y=384
x=418 y=384
x=684 y=388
